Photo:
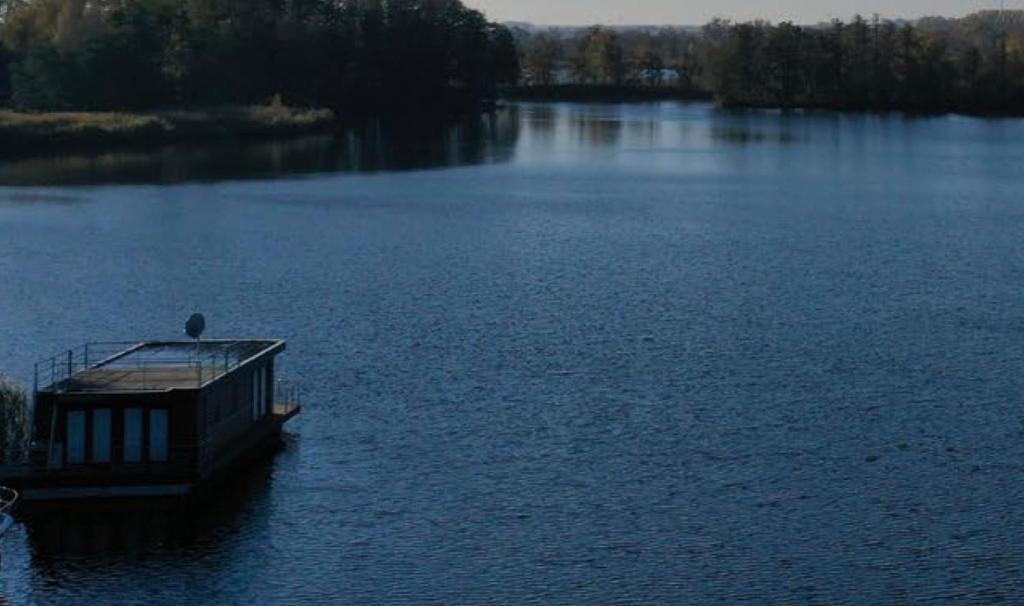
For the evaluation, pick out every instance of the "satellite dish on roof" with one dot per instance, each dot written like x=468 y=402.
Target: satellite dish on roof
x=195 y=326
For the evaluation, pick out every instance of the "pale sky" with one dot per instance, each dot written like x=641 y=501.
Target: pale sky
x=697 y=12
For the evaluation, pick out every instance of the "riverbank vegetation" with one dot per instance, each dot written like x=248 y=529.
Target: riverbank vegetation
x=20 y=130
x=377 y=57
x=602 y=93
x=974 y=64
x=352 y=56
x=14 y=421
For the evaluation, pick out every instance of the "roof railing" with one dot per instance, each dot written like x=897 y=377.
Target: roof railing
x=287 y=397
x=60 y=367
x=210 y=360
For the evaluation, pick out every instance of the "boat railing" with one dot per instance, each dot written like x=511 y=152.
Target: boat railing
x=146 y=373
x=8 y=499
x=287 y=397
x=60 y=367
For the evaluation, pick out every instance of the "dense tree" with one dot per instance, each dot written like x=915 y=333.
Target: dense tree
x=505 y=67
x=379 y=55
x=15 y=421
x=971 y=64
x=543 y=59
x=349 y=54
x=5 y=76
x=599 y=57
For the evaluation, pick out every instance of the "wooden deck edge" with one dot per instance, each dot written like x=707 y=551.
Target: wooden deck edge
x=106 y=492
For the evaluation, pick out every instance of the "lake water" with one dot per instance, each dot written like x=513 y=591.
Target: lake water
x=567 y=354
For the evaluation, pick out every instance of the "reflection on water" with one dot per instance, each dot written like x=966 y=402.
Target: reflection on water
x=595 y=131
x=732 y=134
x=571 y=133
x=59 y=533
x=376 y=147
x=652 y=136
x=527 y=133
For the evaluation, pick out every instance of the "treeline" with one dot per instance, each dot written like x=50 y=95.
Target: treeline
x=973 y=64
x=348 y=55
x=363 y=56
x=601 y=56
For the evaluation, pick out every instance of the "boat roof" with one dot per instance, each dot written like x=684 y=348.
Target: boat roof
x=149 y=366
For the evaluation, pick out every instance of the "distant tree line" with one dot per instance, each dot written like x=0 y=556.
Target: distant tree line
x=350 y=55
x=379 y=55
x=973 y=64
x=599 y=55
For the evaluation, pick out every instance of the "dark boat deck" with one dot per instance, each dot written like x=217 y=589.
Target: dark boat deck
x=146 y=378
x=146 y=367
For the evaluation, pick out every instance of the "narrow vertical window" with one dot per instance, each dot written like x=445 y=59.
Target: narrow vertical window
x=76 y=437
x=158 y=436
x=263 y=392
x=101 y=435
x=255 y=394
x=133 y=435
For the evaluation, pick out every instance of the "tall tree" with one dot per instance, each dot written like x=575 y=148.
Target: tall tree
x=543 y=59
x=600 y=57
x=5 y=76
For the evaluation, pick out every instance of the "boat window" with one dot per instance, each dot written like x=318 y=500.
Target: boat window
x=101 y=435
x=255 y=394
x=259 y=393
x=76 y=437
x=158 y=435
x=263 y=391
x=132 y=435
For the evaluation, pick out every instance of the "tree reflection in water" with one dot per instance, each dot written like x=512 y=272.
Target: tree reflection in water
x=395 y=146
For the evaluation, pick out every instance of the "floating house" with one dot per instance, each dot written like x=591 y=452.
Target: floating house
x=150 y=419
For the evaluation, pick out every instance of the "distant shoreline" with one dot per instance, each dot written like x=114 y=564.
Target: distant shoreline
x=34 y=131
x=587 y=93
x=601 y=93
x=59 y=131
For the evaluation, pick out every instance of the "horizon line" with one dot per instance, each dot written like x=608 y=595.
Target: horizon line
x=750 y=20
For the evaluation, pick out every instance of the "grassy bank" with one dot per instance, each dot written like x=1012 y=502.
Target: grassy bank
x=20 y=131
x=601 y=93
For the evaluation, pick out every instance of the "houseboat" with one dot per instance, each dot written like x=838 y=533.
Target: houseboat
x=150 y=419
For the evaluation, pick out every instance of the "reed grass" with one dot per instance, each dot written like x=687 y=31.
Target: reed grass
x=19 y=130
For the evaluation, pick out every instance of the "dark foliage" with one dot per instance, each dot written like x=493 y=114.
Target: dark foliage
x=5 y=76
x=878 y=65
x=973 y=64
x=358 y=55
x=565 y=60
